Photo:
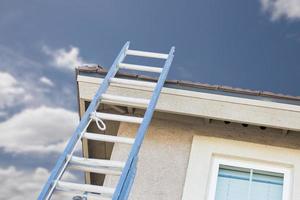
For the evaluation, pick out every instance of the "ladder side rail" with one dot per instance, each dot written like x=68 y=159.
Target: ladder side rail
x=63 y=159
x=129 y=180
x=143 y=127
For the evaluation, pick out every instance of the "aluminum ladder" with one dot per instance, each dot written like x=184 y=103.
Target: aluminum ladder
x=127 y=169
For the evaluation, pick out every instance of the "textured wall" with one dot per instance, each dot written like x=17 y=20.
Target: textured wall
x=165 y=152
x=162 y=161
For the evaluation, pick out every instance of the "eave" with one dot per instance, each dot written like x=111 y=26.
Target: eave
x=206 y=105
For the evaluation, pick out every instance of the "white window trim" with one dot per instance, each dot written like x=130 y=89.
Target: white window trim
x=220 y=160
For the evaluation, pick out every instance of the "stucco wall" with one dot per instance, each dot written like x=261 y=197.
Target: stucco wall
x=165 y=153
x=163 y=160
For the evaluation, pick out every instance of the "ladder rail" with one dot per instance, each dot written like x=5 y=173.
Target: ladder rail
x=127 y=175
x=124 y=184
x=63 y=160
x=129 y=181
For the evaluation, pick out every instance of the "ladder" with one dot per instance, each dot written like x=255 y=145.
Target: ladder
x=126 y=170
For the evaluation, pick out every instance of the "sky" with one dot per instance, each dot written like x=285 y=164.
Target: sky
x=246 y=44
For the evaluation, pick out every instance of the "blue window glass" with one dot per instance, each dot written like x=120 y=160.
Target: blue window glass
x=248 y=184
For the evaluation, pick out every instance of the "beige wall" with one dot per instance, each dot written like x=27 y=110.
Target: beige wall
x=162 y=161
x=165 y=153
x=164 y=156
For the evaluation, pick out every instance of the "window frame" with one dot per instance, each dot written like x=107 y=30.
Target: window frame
x=217 y=161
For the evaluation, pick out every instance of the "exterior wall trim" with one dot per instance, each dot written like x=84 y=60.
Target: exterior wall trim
x=202 y=95
x=208 y=152
x=221 y=107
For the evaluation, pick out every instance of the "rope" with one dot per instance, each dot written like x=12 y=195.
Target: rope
x=97 y=120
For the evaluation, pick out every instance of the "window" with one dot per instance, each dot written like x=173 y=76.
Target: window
x=241 y=183
x=210 y=156
x=238 y=179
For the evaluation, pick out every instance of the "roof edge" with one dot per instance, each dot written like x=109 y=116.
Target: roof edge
x=183 y=83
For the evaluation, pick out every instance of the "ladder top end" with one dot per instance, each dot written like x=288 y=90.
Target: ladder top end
x=172 y=50
x=126 y=45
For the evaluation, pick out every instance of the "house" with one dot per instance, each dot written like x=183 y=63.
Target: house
x=205 y=142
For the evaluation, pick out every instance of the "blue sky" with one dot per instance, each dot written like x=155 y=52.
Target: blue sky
x=247 y=44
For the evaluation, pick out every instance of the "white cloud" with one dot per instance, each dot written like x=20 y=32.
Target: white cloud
x=289 y=9
x=11 y=92
x=46 y=81
x=21 y=184
x=63 y=58
x=40 y=130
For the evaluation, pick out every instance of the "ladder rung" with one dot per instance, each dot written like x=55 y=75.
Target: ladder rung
x=147 y=54
x=70 y=194
x=96 y=162
x=98 y=170
x=121 y=118
x=140 y=67
x=108 y=138
x=85 y=188
x=113 y=98
x=133 y=82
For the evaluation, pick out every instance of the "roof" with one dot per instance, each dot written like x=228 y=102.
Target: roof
x=190 y=85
